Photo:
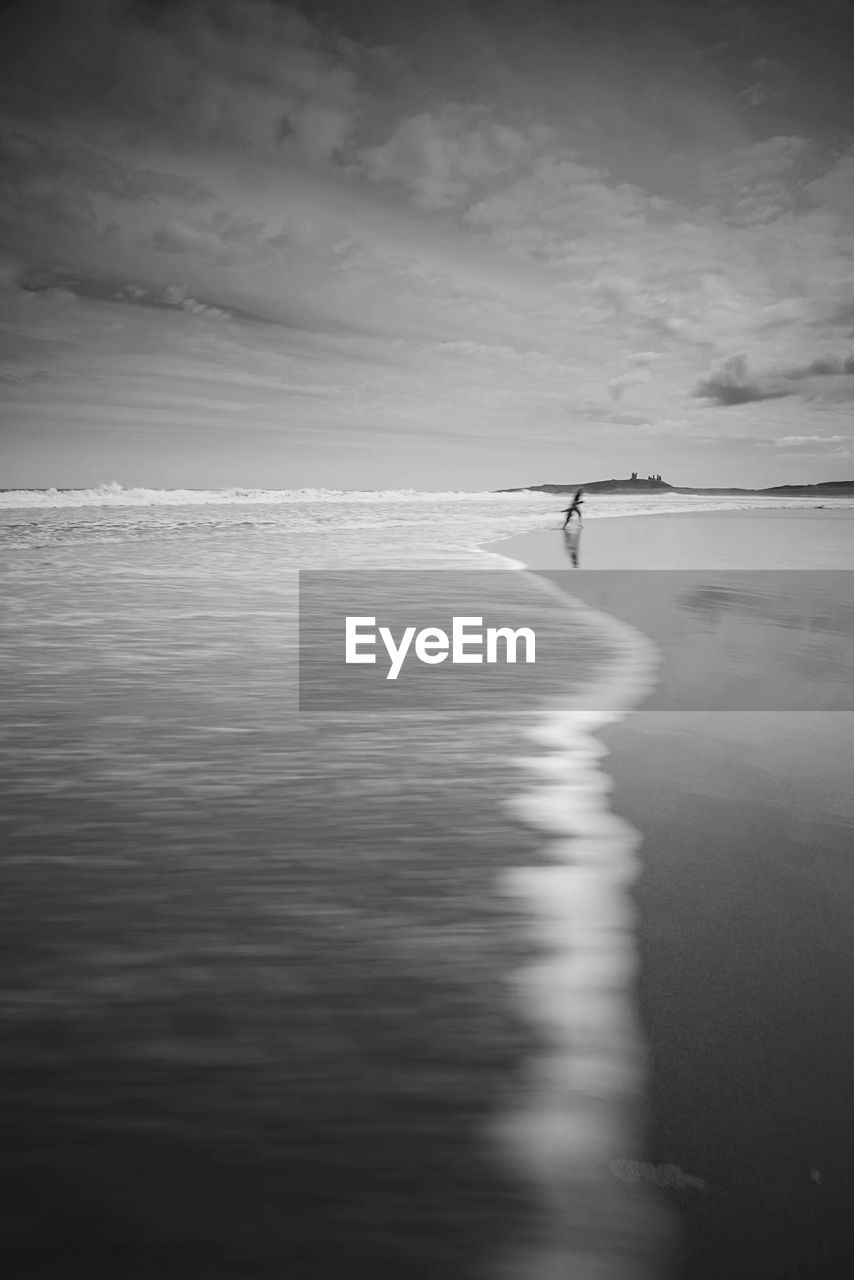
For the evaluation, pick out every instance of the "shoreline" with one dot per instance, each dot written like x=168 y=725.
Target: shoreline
x=719 y=538
x=577 y=1136
x=742 y=824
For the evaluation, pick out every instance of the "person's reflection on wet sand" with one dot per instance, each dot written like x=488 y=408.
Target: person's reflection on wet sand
x=572 y=542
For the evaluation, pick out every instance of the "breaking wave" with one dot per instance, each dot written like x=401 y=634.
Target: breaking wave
x=115 y=495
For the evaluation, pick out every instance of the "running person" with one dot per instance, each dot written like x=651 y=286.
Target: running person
x=574 y=508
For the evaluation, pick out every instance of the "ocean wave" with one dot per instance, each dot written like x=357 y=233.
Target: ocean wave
x=115 y=495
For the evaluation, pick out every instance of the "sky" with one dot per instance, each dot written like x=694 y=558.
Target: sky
x=434 y=246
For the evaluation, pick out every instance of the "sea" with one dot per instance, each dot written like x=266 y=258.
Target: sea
x=295 y=992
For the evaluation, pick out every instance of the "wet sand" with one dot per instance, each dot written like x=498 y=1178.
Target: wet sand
x=745 y=902
x=820 y=538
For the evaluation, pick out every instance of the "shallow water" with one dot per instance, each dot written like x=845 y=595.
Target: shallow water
x=253 y=1004
x=256 y=1011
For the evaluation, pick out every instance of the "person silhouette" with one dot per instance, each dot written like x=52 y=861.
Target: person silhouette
x=574 y=507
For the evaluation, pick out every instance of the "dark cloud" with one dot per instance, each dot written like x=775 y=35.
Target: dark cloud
x=28 y=156
x=825 y=367
x=247 y=74
x=59 y=284
x=842 y=316
x=46 y=206
x=733 y=382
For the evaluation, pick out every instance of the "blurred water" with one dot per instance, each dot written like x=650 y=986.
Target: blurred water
x=257 y=1013
x=317 y=527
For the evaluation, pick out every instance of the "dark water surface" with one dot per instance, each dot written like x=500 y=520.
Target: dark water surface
x=254 y=1009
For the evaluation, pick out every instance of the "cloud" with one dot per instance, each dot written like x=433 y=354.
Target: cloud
x=202 y=309
x=733 y=382
x=558 y=202
x=251 y=75
x=787 y=441
x=754 y=184
x=755 y=95
x=320 y=132
x=835 y=188
x=441 y=157
x=824 y=367
x=178 y=296
x=34 y=152
x=178 y=235
x=11 y=272
x=63 y=285
x=636 y=378
x=220 y=237
x=44 y=204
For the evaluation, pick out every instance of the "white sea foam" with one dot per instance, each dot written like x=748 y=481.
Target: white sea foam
x=291 y=529
x=581 y=1112
x=115 y=495
x=599 y=504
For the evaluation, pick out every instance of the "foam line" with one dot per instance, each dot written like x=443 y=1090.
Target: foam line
x=115 y=495
x=581 y=1109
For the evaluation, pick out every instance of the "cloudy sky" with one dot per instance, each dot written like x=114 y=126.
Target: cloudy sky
x=433 y=245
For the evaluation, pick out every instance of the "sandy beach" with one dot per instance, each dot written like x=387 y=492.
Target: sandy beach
x=817 y=537
x=744 y=900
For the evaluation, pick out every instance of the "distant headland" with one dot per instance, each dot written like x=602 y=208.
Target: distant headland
x=634 y=484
